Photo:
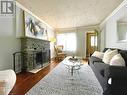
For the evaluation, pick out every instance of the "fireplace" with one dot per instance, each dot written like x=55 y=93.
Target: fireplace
x=37 y=53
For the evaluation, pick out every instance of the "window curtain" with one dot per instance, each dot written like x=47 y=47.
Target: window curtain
x=68 y=40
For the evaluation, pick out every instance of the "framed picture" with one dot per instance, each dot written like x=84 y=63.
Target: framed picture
x=34 y=28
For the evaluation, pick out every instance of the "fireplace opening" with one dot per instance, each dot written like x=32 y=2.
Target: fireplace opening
x=39 y=58
x=42 y=57
x=46 y=56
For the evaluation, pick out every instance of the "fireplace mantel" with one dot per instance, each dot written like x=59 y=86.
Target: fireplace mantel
x=28 y=43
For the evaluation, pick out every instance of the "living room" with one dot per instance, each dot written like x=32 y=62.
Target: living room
x=61 y=22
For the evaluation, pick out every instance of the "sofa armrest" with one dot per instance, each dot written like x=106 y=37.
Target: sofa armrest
x=7 y=81
x=101 y=67
x=118 y=72
x=93 y=59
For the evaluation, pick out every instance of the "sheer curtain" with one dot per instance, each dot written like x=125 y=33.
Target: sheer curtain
x=68 y=40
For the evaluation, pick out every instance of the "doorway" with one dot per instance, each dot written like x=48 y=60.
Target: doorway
x=91 y=43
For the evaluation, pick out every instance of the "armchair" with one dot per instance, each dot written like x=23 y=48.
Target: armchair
x=60 y=54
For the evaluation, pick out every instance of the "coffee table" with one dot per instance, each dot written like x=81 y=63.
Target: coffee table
x=72 y=64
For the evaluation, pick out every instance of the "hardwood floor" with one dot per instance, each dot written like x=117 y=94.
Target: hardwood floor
x=26 y=80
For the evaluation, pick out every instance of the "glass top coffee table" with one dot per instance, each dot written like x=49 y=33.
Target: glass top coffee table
x=73 y=64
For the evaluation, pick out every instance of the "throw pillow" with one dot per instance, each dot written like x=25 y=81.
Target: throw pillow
x=108 y=51
x=104 y=57
x=117 y=60
x=98 y=54
x=108 y=55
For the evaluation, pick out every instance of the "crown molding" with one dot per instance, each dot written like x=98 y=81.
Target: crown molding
x=78 y=28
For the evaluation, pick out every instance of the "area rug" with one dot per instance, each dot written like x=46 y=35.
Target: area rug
x=60 y=82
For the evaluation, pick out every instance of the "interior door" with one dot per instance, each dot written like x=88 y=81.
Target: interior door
x=91 y=43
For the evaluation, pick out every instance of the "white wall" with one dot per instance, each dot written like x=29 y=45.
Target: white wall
x=19 y=22
x=110 y=25
x=102 y=38
x=81 y=42
x=51 y=34
x=8 y=42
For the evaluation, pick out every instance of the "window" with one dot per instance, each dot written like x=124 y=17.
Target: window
x=93 y=40
x=68 y=40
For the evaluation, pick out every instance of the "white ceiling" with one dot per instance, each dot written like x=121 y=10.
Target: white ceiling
x=71 y=13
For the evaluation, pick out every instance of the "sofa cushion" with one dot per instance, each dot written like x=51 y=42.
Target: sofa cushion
x=118 y=72
x=99 y=70
x=105 y=49
x=117 y=60
x=108 y=55
x=98 y=54
x=105 y=57
x=101 y=67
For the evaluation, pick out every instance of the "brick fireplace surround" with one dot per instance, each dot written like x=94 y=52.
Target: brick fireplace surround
x=35 y=53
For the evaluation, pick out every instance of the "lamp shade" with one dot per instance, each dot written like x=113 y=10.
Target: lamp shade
x=53 y=39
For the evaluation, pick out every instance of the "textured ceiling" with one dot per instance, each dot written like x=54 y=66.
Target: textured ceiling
x=71 y=13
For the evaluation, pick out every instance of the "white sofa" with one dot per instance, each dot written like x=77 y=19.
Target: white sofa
x=7 y=81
